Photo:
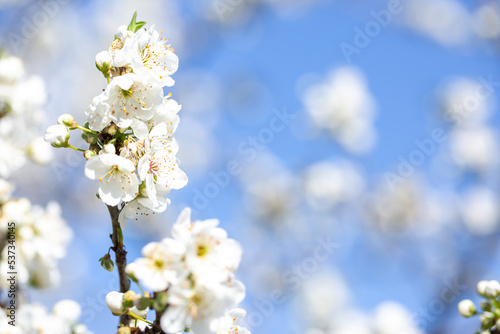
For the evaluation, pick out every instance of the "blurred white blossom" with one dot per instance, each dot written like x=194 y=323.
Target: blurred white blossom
x=446 y=21
x=329 y=184
x=344 y=106
x=479 y=210
x=37 y=320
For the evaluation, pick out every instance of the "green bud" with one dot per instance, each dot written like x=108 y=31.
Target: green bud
x=90 y=138
x=160 y=301
x=142 y=303
x=129 y=298
x=107 y=263
x=66 y=119
x=486 y=306
x=487 y=320
x=103 y=62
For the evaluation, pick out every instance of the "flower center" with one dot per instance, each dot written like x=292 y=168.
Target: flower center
x=154 y=167
x=117 y=44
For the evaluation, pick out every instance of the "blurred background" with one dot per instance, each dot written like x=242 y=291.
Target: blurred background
x=351 y=147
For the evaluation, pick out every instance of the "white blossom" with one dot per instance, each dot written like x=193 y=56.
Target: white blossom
x=160 y=266
x=118 y=181
x=114 y=301
x=155 y=58
x=158 y=168
x=196 y=305
x=344 y=106
x=466 y=308
x=57 y=135
x=129 y=96
x=230 y=323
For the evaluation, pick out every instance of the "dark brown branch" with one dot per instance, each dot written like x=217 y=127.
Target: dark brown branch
x=120 y=257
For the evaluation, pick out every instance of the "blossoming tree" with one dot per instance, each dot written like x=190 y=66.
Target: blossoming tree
x=187 y=280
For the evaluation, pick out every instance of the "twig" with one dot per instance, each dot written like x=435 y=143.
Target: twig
x=120 y=257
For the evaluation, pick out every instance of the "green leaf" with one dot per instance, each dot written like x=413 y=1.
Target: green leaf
x=134 y=26
x=139 y=25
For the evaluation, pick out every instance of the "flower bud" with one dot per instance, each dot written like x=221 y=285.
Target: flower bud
x=129 y=298
x=89 y=154
x=66 y=119
x=103 y=62
x=114 y=303
x=107 y=263
x=487 y=320
x=492 y=289
x=57 y=135
x=142 y=303
x=486 y=305
x=467 y=308
x=481 y=287
x=112 y=129
x=90 y=138
x=109 y=148
x=160 y=301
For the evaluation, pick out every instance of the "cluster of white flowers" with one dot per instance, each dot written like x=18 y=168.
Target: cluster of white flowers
x=468 y=104
x=407 y=205
x=479 y=210
x=36 y=319
x=130 y=125
x=191 y=277
x=21 y=101
x=41 y=234
x=344 y=106
x=41 y=237
x=324 y=302
x=489 y=308
x=451 y=23
x=328 y=185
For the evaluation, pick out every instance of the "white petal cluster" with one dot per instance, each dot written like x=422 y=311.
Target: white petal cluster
x=479 y=210
x=446 y=21
x=344 y=106
x=37 y=320
x=330 y=184
x=408 y=205
x=230 y=323
x=197 y=267
x=468 y=104
x=451 y=23
x=21 y=101
x=134 y=158
x=41 y=238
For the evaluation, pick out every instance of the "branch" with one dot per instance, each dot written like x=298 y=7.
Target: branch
x=120 y=257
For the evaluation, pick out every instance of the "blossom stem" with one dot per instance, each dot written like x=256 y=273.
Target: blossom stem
x=75 y=148
x=140 y=287
x=139 y=318
x=120 y=256
x=85 y=129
